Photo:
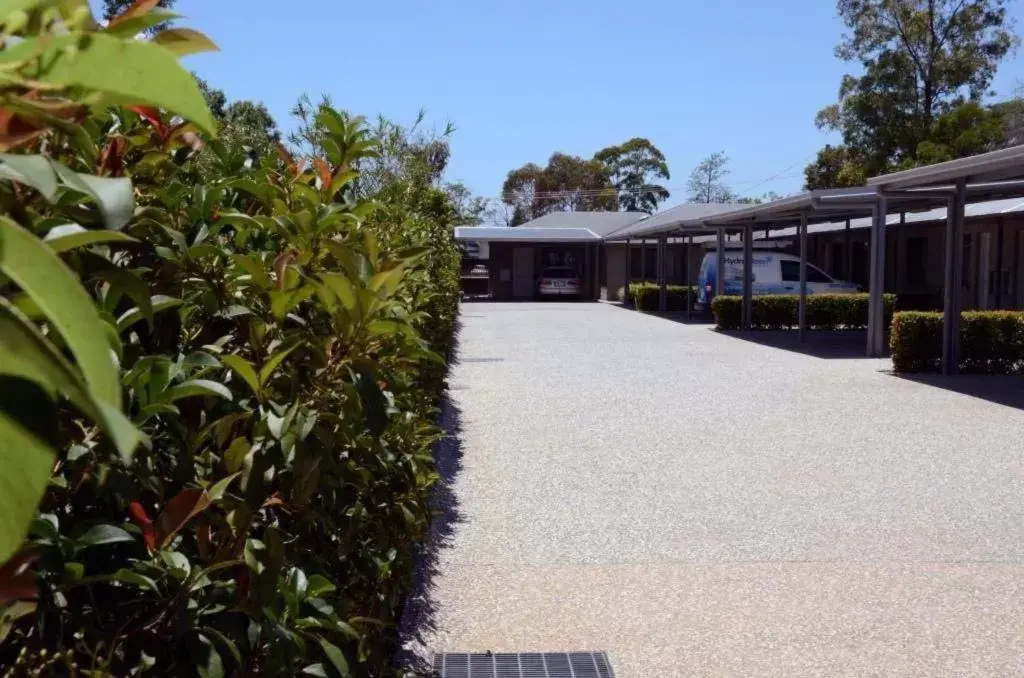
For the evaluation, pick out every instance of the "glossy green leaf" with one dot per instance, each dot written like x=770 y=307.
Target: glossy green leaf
x=133 y=71
x=132 y=26
x=114 y=196
x=73 y=236
x=343 y=289
x=196 y=387
x=132 y=577
x=256 y=270
x=123 y=281
x=26 y=353
x=282 y=303
x=235 y=455
x=132 y=316
x=103 y=534
x=208 y=661
x=335 y=656
x=217 y=490
x=31 y=170
x=275 y=360
x=184 y=41
x=318 y=586
x=26 y=461
x=387 y=281
x=55 y=288
x=244 y=369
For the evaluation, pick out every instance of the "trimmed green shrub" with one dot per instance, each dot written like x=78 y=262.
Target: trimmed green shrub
x=774 y=311
x=218 y=381
x=728 y=311
x=645 y=296
x=781 y=311
x=991 y=342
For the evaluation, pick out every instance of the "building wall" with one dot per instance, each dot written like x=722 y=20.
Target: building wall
x=992 y=258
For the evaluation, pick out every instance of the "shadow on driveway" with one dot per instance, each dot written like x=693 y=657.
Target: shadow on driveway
x=844 y=345
x=996 y=388
x=418 y=615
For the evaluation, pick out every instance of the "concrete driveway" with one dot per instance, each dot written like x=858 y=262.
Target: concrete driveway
x=696 y=504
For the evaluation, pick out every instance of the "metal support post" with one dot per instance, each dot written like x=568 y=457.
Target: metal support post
x=848 y=273
x=953 y=277
x=662 y=284
x=802 y=315
x=876 y=281
x=748 y=277
x=720 y=263
x=628 y=273
x=686 y=276
x=643 y=260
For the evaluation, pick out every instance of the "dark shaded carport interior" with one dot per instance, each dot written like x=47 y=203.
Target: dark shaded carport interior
x=579 y=243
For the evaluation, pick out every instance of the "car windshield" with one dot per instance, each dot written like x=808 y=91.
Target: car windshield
x=560 y=273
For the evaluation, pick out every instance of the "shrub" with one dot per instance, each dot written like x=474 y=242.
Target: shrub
x=781 y=311
x=991 y=342
x=645 y=296
x=728 y=311
x=240 y=489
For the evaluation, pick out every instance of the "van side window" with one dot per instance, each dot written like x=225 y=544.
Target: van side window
x=791 y=273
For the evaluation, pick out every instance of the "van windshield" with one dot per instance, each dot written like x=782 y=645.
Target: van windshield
x=791 y=272
x=558 y=273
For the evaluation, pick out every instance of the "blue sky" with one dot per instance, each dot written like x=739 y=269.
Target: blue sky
x=523 y=79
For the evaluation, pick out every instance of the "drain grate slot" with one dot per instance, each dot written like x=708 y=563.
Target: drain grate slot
x=522 y=665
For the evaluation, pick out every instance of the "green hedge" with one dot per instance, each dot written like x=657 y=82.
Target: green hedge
x=781 y=311
x=645 y=296
x=219 y=376
x=991 y=342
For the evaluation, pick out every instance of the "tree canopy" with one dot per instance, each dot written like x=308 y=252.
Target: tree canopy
x=921 y=60
x=635 y=166
x=617 y=177
x=707 y=180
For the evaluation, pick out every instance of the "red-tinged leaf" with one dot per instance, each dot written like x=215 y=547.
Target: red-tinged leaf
x=17 y=581
x=152 y=116
x=138 y=513
x=179 y=510
x=273 y=500
x=111 y=161
x=281 y=262
x=185 y=506
x=286 y=157
x=138 y=8
x=245 y=584
x=323 y=170
x=203 y=539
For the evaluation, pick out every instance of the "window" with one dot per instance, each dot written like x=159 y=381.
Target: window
x=791 y=273
x=815 y=275
x=634 y=263
x=917 y=261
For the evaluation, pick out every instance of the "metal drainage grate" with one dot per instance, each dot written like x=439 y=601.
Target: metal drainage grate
x=523 y=665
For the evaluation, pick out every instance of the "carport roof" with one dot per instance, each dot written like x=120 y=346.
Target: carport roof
x=670 y=219
x=600 y=223
x=525 y=234
x=1006 y=163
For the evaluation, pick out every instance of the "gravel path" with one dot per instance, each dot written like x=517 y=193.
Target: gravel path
x=696 y=504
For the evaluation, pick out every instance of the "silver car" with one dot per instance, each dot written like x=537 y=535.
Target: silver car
x=559 y=281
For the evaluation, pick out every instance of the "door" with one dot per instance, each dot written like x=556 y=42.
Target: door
x=522 y=272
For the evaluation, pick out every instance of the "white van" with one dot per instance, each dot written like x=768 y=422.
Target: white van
x=774 y=273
